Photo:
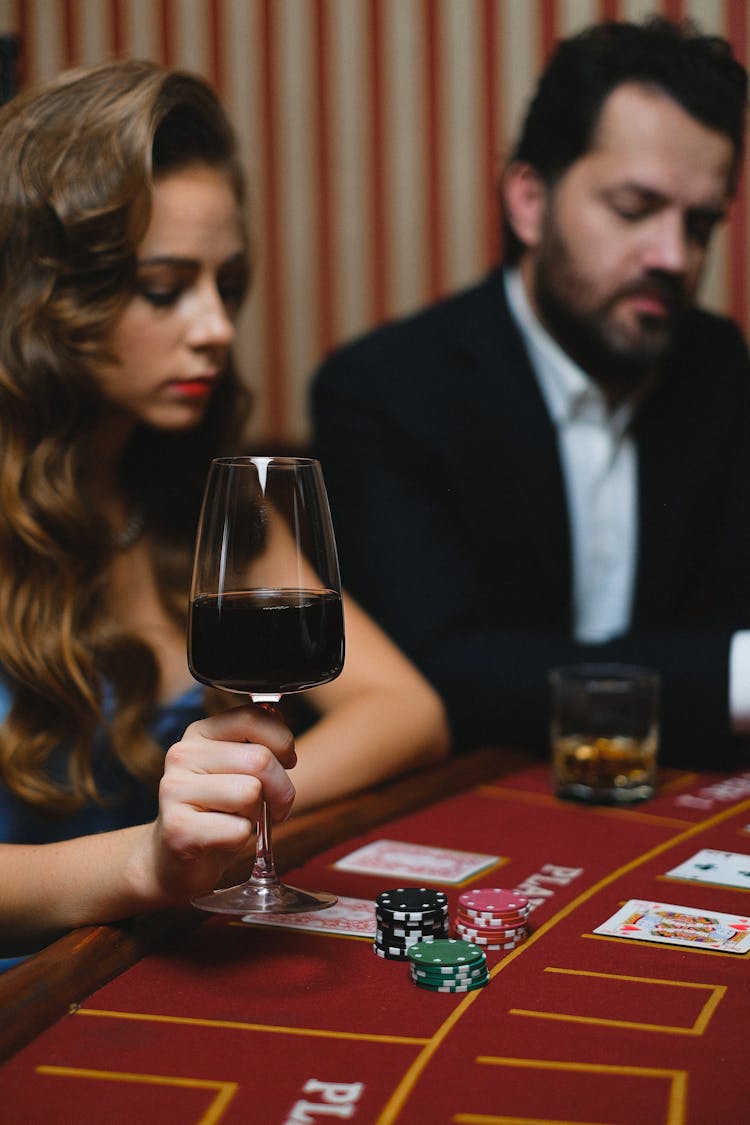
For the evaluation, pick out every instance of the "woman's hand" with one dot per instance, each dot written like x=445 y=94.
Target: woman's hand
x=214 y=780
x=210 y=797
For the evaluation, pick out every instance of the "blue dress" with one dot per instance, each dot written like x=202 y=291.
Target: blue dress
x=129 y=801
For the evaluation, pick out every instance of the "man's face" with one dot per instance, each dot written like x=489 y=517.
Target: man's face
x=624 y=233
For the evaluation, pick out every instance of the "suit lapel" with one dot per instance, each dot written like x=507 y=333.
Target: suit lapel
x=678 y=457
x=516 y=440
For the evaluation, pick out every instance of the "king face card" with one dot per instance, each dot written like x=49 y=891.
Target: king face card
x=679 y=925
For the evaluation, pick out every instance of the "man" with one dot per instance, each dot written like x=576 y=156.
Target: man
x=554 y=466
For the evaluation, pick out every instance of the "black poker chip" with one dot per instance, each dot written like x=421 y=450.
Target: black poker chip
x=406 y=916
x=397 y=926
x=396 y=955
x=385 y=939
x=414 y=904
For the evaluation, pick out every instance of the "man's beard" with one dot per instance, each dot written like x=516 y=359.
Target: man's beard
x=620 y=360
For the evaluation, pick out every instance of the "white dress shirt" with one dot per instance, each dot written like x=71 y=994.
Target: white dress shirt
x=600 y=470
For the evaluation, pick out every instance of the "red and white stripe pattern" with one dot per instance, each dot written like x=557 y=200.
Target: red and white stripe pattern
x=374 y=132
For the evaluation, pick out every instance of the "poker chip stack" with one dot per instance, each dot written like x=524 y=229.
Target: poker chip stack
x=407 y=916
x=493 y=918
x=448 y=965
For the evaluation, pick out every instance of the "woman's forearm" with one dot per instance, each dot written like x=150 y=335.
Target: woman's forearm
x=374 y=735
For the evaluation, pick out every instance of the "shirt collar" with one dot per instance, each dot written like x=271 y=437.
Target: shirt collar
x=570 y=394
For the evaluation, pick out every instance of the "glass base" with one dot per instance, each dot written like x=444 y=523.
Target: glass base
x=264 y=898
x=575 y=791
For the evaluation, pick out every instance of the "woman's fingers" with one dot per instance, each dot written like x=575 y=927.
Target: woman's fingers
x=250 y=724
x=216 y=778
x=227 y=777
x=210 y=797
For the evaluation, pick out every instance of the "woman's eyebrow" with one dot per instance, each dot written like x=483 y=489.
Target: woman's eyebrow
x=188 y=263
x=169 y=260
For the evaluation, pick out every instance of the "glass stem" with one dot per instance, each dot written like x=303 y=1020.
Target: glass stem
x=264 y=870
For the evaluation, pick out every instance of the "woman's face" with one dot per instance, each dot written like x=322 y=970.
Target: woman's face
x=173 y=337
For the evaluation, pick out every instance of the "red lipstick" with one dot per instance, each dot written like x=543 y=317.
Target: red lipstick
x=194 y=388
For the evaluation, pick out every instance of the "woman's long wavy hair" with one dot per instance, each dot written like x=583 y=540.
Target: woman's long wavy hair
x=78 y=160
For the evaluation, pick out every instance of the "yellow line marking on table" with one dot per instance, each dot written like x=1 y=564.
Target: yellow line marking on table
x=667 y=945
x=716 y=995
x=225 y=1090
x=239 y=1025
x=678 y=1079
x=407 y=1083
x=493 y=1119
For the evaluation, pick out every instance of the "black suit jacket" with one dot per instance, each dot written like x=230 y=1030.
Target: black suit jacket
x=450 y=512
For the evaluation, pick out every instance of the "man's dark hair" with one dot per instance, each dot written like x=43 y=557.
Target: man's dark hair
x=698 y=71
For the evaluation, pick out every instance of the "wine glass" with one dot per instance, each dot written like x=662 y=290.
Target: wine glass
x=266 y=618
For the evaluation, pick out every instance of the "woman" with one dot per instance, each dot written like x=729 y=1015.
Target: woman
x=123 y=263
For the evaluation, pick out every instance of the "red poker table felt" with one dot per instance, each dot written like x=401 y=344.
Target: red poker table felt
x=229 y=1022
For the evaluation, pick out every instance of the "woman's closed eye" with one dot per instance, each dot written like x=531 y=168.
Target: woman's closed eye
x=160 y=298
x=162 y=284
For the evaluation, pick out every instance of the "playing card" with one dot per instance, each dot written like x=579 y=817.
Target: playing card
x=351 y=916
x=679 y=925
x=415 y=861
x=729 y=869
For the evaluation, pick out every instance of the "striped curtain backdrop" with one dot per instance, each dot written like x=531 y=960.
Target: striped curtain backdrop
x=373 y=132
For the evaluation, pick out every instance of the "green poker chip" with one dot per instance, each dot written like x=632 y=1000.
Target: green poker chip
x=448 y=974
x=469 y=986
x=451 y=972
x=446 y=951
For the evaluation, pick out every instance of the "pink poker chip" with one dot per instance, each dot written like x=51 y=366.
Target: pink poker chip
x=494 y=900
x=488 y=943
x=492 y=932
x=502 y=921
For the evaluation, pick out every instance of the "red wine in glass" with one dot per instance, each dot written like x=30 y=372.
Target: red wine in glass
x=267 y=640
x=266 y=618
